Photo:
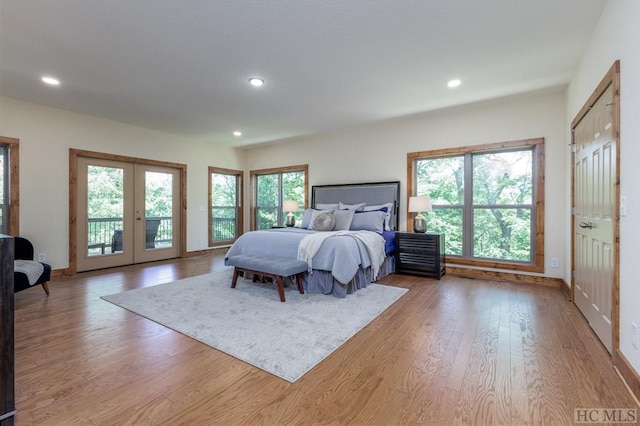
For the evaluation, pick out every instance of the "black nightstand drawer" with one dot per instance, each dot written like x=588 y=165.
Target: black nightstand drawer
x=420 y=254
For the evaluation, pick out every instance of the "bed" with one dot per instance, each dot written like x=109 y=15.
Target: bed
x=341 y=261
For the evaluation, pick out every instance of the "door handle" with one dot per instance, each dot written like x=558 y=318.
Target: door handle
x=587 y=225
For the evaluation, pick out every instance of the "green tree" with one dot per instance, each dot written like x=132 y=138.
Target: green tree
x=502 y=194
x=105 y=192
x=224 y=193
x=272 y=190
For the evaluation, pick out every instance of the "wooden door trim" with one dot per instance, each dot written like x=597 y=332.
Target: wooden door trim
x=611 y=78
x=73 y=202
x=14 y=183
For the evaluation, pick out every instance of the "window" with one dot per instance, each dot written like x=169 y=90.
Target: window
x=225 y=201
x=270 y=188
x=9 y=186
x=488 y=200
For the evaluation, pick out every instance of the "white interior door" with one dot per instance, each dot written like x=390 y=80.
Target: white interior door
x=127 y=213
x=595 y=180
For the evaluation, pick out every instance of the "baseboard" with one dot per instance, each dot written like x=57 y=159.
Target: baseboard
x=627 y=372
x=566 y=290
x=205 y=251
x=504 y=276
x=61 y=273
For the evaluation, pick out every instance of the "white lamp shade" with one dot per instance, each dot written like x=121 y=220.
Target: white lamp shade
x=290 y=206
x=419 y=204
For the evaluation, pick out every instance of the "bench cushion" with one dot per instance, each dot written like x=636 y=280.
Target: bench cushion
x=269 y=264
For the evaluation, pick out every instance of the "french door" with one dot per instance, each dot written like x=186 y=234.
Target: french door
x=127 y=213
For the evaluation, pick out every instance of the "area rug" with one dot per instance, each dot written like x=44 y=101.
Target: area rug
x=251 y=324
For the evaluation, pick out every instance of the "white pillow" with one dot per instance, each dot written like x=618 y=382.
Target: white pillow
x=389 y=206
x=327 y=206
x=359 y=206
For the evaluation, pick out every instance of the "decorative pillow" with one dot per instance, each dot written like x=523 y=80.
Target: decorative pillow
x=368 y=221
x=359 y=206
x=389 y=206
x=327 y=206
x=314 y=214
x=343 y=219
x=306 y=218
x=324 y=222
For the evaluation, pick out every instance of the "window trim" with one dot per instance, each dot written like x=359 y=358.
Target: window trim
x=239 y=174
x=537 y=265
x=13 y=151
x=279 y=170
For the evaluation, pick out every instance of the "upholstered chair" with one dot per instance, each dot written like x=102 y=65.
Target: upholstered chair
x=28 y=272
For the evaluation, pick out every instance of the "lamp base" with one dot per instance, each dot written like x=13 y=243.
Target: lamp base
x=419 y=225
x=291 y=220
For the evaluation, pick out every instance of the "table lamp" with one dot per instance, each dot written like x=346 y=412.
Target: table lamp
x=290 y=206
x=419 y=205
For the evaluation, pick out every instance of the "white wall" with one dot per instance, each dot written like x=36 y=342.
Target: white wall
x=617 y=36
x=46 y=134
x=378 y=151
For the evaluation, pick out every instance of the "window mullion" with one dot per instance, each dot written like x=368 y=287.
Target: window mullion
x=467 y=215
x=279 y=220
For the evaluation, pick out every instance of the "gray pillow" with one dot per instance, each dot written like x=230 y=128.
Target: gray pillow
x=306 y=218
x=343 y=219
x=368 y=221
x=389 y=206
x=324 y=222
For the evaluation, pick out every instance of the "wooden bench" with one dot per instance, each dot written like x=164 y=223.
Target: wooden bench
x=271 y=266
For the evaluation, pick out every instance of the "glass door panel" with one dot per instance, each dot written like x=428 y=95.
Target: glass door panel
x=158 y=210
x=157 y=213
x=105 y=210
x=105 y=230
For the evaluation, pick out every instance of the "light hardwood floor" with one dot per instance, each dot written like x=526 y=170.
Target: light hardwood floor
x=455 y=351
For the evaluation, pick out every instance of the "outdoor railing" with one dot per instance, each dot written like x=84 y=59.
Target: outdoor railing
x=224 y=228
x=101 y=231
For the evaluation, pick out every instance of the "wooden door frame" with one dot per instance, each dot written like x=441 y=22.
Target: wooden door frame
x=611 y=78
x=73 y=202
x=13 y=145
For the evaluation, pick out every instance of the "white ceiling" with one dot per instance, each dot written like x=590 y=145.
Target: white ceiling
x=181 y=66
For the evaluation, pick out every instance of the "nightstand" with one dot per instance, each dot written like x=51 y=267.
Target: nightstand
x=420 y=254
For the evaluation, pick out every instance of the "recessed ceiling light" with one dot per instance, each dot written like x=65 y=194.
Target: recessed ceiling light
x=256 y=82
x=51 y=81
x=237 y=133
x=454 y=83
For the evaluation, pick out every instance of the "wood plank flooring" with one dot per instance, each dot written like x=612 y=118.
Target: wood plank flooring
x=455 y=351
